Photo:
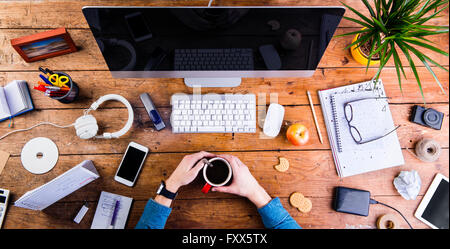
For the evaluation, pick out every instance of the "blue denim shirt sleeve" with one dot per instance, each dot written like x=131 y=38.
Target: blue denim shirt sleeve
x=274 y=216
x=154 y=216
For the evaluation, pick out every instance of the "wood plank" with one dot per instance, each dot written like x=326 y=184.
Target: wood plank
x=228 y=214
x=89 y=56
x=290 y=91
x=165 y=141
x=39 y=14
x=336 y=56
x=312 y=173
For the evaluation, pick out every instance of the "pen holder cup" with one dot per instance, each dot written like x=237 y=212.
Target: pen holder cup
x=72 y=94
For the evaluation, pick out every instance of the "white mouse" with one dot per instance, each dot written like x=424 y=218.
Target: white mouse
x=274 y=120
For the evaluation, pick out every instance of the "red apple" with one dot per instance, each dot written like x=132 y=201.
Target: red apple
x=297 y=134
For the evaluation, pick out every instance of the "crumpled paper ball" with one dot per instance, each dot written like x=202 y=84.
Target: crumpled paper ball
x=408 y=184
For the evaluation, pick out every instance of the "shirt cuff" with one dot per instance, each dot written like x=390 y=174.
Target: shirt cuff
x=273 y=214
x=154 y=216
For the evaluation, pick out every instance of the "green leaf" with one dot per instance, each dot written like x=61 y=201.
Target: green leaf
x=397 y=59
x=435 y=63
x=413 y=67
x=361 y=40
x=369 y=58
x=359 y=22
x=352 y=33
x=372 y=13
x=423 y=20
x=421 y=58
x=398 y=65
x=358 y=13
x=419 y=43
x=381 y=26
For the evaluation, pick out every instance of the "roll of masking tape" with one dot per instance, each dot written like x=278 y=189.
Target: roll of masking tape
x=428 y=150
x=387 y=221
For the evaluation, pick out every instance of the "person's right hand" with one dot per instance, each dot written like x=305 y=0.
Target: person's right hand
x=244 y=184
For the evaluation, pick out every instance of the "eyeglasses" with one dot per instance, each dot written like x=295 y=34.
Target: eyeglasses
x=356 y=135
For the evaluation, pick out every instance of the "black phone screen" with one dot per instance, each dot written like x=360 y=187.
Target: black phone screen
x=436 y=211
x=131 y=164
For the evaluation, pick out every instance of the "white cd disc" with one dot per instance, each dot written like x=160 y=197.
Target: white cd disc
x=39 y=155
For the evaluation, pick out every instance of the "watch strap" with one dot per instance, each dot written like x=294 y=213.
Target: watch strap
x=166 y=193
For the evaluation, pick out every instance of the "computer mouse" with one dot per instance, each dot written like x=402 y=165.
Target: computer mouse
x=274 y=120
x=270 y=56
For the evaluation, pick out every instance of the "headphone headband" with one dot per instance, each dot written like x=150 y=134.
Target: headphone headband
x=86 y=125
x=124 y=101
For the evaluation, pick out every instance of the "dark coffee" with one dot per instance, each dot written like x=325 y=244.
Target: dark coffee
x=218 y=172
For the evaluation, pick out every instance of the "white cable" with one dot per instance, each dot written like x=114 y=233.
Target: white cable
x=48 y=123
x=210 y=2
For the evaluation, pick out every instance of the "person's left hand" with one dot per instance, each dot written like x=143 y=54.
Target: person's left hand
x=186 y=172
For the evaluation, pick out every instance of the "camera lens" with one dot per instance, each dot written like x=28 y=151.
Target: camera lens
x=431 y=117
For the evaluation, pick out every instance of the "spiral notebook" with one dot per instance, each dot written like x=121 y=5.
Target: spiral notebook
x=372 y=117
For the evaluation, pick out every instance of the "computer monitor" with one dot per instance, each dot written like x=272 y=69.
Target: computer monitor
x=212 y=46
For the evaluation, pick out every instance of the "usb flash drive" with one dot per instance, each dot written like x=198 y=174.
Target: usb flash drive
x=152 y=112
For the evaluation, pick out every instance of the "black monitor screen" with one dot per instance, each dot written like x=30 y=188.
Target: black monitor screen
x=212 y=39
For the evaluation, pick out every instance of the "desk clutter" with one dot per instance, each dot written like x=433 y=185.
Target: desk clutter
x=354 y=137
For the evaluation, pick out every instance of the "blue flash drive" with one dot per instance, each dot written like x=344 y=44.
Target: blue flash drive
x=152 y=112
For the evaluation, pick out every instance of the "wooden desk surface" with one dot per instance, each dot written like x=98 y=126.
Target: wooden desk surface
x=312 y=170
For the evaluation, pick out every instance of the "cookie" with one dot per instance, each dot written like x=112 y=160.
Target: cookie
x=299 y=201
x=295 y=199
x=283 y=165
x=305 y=205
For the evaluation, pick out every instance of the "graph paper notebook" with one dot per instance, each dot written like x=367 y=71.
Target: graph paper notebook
x=372 y=117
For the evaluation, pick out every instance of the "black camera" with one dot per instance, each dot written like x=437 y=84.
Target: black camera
x=427 y=117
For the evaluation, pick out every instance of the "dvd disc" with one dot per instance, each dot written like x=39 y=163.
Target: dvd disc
x=39 y=155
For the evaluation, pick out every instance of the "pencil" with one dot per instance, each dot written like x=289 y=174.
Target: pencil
x=314 y=115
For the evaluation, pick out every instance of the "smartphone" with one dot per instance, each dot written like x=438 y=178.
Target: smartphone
x=138 y=27
x=131 y=164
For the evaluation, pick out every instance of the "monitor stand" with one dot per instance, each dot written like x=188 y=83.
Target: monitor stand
x=212 y=82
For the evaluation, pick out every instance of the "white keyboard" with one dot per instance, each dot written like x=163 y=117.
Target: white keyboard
x=213 y=113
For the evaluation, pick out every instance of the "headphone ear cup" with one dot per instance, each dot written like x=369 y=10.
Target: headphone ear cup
x=86 y=126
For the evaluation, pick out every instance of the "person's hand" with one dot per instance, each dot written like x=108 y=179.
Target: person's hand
x=186 y=172
x=244 y=184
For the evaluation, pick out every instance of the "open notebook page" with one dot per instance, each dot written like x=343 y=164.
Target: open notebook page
x=4 y=108
x=371 y=119
x=15 y=98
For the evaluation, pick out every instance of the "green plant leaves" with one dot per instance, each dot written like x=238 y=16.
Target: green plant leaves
x=402 y=23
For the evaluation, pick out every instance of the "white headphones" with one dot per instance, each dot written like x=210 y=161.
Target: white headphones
x=86 y=125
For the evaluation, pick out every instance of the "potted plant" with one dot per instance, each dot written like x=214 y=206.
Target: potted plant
x=394 y=26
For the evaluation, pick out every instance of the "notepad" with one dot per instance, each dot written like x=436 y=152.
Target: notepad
x=105 y=209
x=58 y=188
x=372 y=118
x=15 y=99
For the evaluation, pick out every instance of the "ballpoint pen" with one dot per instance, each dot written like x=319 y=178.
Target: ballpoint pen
x=114 y=216
x=45 y=79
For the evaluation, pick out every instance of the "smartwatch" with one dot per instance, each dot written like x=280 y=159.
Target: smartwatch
x=164 y=192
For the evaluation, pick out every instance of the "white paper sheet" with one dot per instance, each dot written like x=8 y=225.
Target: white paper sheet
x=105 y=209
x=58 y=188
